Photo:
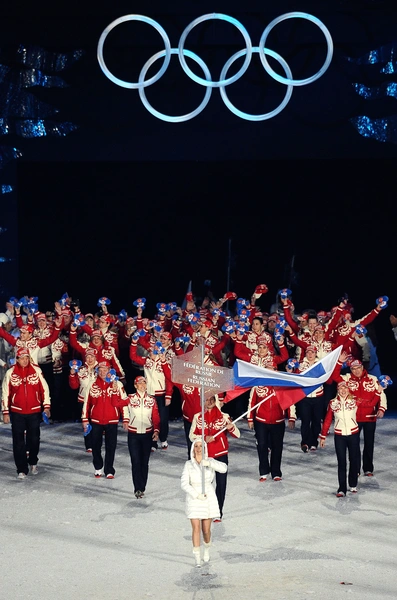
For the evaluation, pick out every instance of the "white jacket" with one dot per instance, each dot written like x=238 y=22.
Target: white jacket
x=191 y=483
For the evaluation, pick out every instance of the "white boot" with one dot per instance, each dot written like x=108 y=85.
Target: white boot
x=196 y=552
x=206 y=555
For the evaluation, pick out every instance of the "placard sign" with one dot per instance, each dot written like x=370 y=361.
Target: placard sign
x=196 y=370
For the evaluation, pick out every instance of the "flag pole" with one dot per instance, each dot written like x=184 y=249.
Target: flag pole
x=202 y=399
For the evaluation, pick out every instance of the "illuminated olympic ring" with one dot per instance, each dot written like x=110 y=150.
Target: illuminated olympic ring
x=208 y=83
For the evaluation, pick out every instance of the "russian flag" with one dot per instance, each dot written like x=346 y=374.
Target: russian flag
x=290 y=387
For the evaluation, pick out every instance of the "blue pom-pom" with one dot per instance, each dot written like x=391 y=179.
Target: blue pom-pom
x=140 y=302
x=122 y=316
x=45 y=418
x=75 y=364
x=360 y=330
x=111 y=376
x=385 y=381
x=103 y=301
x=78 y=320
x=161 y=307
x=292 y=363
x=32 y=308
x=172 y=306
x=158 y=348
x=382 y=301
x=284 y=293
x=88 y=429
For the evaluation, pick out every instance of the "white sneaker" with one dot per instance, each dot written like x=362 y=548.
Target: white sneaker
x=34 y=469
x=353 y=490
x=263 y=478
x=98 y=473
x=164 y=445
x=21 y=476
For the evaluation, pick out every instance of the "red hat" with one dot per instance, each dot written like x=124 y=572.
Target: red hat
x=139 y=379
x=166 y=334
x=207 y=323
x=22 y=352
x=312 y=348
x=304 y=317
x=26 y=329
x=91 y=351
x=356 y=363
x=96 y=332
x=89 y=316
x=319 y=328
x=263 y=340
x=230 y=296
x=261 y=289
x=40 y=316
x=66 y=311
x=107 y=318
x=342 y=383
x=104 y=363
x=273 y=317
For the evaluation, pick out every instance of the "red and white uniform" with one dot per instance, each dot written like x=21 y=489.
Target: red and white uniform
x=364 y=389
x=103 y=353
x=270 y=361
x=46 y=354
x=33 y=345
x=24 y=390
x=341 y=335
x=214 y=421
x=82 y=380
x=141 y=413
x=153 y=370
x=102 y=403
x=269 y=411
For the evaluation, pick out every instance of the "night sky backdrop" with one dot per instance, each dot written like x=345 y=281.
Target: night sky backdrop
x=128 y=205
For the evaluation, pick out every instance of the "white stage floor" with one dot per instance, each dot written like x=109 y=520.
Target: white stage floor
x=67 y=535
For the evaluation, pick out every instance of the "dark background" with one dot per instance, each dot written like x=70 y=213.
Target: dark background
x=130 y=206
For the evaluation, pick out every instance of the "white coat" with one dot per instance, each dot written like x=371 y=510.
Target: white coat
x=191 y=484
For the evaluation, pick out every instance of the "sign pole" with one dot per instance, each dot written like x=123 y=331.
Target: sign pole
x=202 y=399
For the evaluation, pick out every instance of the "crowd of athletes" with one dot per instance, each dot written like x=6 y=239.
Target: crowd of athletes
x=56 y=365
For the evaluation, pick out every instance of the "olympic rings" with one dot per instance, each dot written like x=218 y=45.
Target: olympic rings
x=239 y=73
x=160 y=115
x=298 y=15
x=265 y=116
x=121 y=82
x=224 y=81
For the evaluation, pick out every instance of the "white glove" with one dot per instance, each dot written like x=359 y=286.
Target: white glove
x=205 y=462
x=202 y=497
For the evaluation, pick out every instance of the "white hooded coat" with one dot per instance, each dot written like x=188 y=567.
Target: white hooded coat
x=191 y=484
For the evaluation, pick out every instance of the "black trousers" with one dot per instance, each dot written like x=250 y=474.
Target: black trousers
x=20 y=444
x=269 y=436
x=139 y=446
x=221 y=481
x=187 y=425
x=110 y=446
x=351 y=443
x=368 y=429
x=311 y=413
x=164 y=418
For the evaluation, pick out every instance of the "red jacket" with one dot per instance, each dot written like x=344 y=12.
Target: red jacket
x=25 y=390
x=102 y=404
x=215 y=420
x=269 y=411
x=364 y=389
x=270 y=361
x=103 y=353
